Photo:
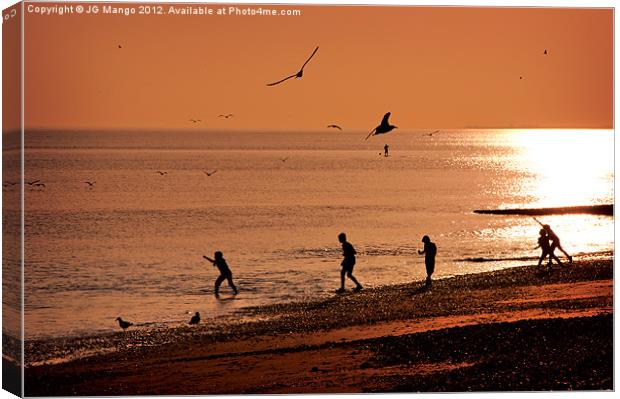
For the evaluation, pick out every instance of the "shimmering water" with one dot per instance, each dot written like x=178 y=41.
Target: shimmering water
x=132 y=244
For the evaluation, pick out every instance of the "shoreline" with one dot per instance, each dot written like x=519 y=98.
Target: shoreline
x=242 y=314
x=349 y=331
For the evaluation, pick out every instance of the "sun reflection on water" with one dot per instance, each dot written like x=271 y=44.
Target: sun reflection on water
x=565 y=167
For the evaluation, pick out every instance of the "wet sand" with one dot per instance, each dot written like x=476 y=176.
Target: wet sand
x=515 y=329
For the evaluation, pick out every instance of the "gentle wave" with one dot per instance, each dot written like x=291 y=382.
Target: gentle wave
x=529 y=258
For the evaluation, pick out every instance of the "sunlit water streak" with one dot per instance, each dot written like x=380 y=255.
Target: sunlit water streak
x=132 y=245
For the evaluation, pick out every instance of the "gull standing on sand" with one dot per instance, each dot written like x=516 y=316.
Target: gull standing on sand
x=384 y=127
x=123 y=324
x=195 y=319
x=298 y=74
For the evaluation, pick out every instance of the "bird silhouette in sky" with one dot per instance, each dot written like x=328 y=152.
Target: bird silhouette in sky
x=195 y=319
x=334 y=126
x=123 y=324
x=431 y=133
x=209 y=173
x=384 y=127
x=195 y=120
x=298 y=74
x=30 y=183
x=225 y=116
x=161 y=172
x=90 y=183
x=284 y=159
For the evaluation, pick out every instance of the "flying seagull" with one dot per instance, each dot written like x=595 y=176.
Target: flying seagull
x=195 y=120
x=123 y=324
x=298 y=74
x=195 y=319
x=284 y=159
x=225 y=116
x=161 y=173
x=42 y=185
x=90 y=183
x=210 y=173
x=334 y=126
x=30 y=183
x=384 y=127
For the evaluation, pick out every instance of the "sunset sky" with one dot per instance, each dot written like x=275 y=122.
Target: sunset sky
x=448 y=67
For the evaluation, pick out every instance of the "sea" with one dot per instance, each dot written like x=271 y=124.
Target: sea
x=132 y=243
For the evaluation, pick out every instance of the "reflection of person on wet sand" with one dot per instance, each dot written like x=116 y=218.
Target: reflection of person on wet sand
x=430 y=250
x=225 y=273
x=543 y=244
x=386 y=150
x=347 y=263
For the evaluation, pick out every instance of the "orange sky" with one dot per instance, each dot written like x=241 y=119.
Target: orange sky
x=431 y=67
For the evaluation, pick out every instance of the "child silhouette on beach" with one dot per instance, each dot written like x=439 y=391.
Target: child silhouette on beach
x=386 y=150
x=430 y=250
x=347 y=263
x=555 y=243
x=543 y=244
x=225 y=273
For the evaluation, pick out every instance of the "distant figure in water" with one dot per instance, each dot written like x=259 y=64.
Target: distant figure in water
x=555 y=243
x=430 y=250
x=386 y=150
x=543 y=244
x=347 y=263
x=225 y=273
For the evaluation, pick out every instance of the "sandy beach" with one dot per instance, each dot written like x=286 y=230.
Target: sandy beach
x=139 y=146
x=513 y=329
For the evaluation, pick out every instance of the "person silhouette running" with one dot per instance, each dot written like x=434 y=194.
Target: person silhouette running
x=555 y=243
x=225 y=273
x=347 y=263
x=545 y=246
x=429 y=251
x=386 y=150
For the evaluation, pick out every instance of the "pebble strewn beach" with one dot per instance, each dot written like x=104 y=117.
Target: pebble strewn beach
x=467 y=333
